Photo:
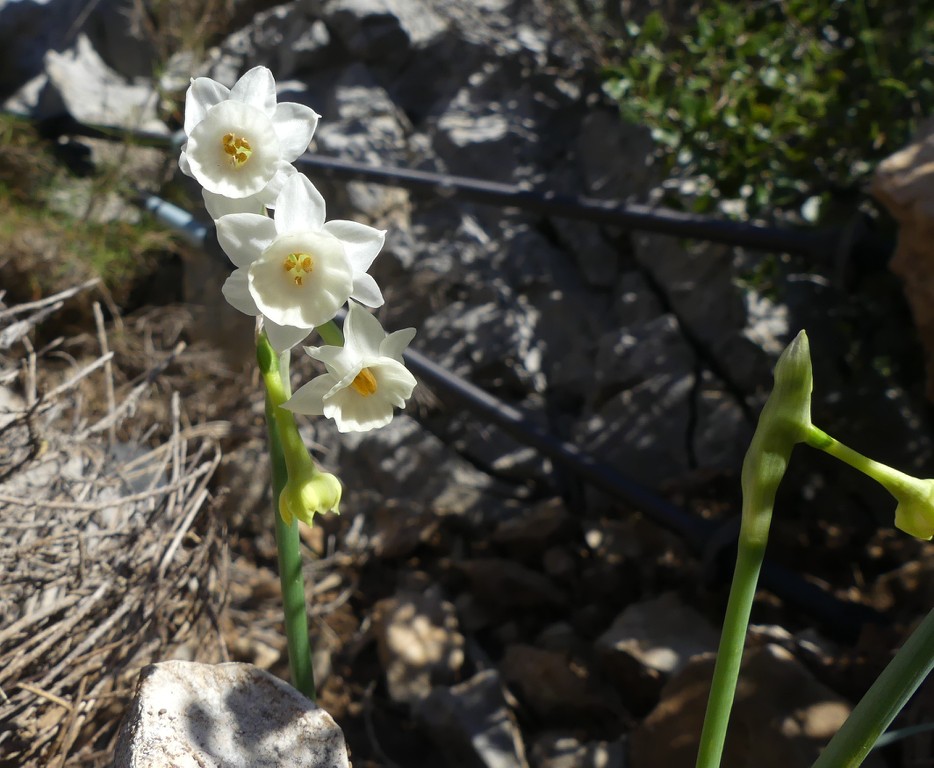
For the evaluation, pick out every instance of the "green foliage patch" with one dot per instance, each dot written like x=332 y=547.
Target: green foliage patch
x=43 y=249
x=778 y=101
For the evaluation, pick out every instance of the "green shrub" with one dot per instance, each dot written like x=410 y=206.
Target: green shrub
x=775 y=102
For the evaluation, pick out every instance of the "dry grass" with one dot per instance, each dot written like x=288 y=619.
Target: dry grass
x=112 y=557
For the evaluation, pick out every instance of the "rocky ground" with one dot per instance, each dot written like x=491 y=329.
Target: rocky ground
x=477 y=603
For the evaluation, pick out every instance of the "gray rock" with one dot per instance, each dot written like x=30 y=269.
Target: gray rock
x=214 y=716
x=288 y=39
x=597 y=258
x=383 y=31
x=507 y=584
x=782 y=716
x=403 y=461
x=28 y=30
x=644 y=381
x=487 y=132
x=560 y=637
x=650 y=641
x=121 y=33
x=699 y=285
x=473 y=724
x=529 y=530
x=559 y=689
x=615 y=158
x=719 y=413
x=83 y=86
x=419 y=643
x=360 y=122
x=636 y=300
x=490 y=344
x=563 y=751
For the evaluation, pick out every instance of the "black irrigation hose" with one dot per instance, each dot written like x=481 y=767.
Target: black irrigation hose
x=633 y=216
x=706 y=538
x=832 y=245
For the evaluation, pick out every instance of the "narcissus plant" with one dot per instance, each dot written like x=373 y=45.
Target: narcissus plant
x=365 y=378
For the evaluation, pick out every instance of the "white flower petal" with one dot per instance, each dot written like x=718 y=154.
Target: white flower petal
x=216 y=170
x=283 y=337
x=309 y=398
x=394 y=381
x=183 y=162
x=363 y=392
x=202 y=94
x=274 y=187
x=218 y=205
x=237 y=292
x=341 y=361
x=362 y=332
x=294 y=125
x=299 y=207
x=395 y=343
x=303 y=296
x=366 y=291
x=244 y=236
x=256 y=88
x=354 y=413
x=361 y=242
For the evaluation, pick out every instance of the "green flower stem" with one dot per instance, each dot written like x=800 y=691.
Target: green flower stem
x=331 y=334
x=730 y=653
x=883 y=701
x=782 y=424
x=817 y=438
x=915 y=496
x=283 y=435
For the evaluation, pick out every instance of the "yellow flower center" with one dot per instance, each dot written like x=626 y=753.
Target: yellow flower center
x=238 y=148
x=364 y=383
x=298 y=265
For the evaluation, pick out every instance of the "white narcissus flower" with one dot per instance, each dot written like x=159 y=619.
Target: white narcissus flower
x=295 y=269
x=366 y=378
x=240 y=139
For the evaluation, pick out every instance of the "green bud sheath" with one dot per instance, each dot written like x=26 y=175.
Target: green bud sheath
x=785 y=420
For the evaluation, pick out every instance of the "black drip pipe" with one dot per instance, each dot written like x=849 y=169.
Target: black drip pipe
x=815 y=243
x=819 y=244
x=705 y=538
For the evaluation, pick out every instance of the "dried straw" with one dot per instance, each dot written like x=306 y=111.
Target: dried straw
x=110 y=557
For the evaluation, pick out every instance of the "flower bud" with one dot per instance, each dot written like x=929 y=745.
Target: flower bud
x=785 y=421
x=915 y=511
x=312 y=492
x=791 y=396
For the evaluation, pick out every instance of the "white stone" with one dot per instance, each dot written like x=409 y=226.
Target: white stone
x=190 y=715
x=95 y=94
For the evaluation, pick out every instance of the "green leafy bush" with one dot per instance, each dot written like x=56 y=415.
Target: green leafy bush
x=775 y=102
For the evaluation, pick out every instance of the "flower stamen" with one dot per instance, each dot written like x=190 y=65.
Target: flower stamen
x=364 y=383
x=298 y=265
x=238 y=148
